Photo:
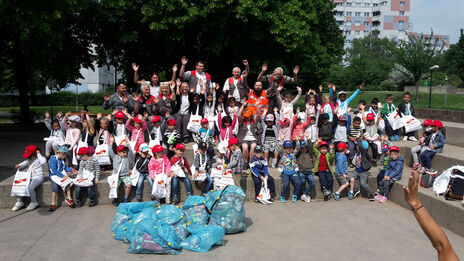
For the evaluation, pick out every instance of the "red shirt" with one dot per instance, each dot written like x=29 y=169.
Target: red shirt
x=323 y=163
x=184 y=166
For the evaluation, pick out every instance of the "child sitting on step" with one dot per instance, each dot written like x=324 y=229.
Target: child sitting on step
x=324 y=155
x=288 y=168
x=393 y=173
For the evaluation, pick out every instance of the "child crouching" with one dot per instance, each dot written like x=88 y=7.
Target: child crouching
x=393 y=173
x=260 y=172
x=89 y=174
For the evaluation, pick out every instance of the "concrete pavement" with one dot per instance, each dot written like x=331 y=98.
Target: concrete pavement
x=343 y=230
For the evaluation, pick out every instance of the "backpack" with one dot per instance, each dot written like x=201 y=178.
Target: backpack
x=427 y=180
x=456 y=186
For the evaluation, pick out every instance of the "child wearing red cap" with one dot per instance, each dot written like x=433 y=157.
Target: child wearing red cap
x=156 y=127
x=171 y=137
x=420 y=147
x=324 y=155
x=371 y=134
x=205 y=134
x=121 y=162
x=159 y=168
x=434 y=144
x=341 y=174
x=181 y=169
x=137 y=131
x=393 y=173
x=35 y=163
x=119 y=127
x=89 y=174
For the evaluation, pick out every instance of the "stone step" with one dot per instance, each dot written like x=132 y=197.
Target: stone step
x=454 y=131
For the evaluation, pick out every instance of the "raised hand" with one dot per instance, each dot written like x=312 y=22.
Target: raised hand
x=157 y=99
x=298 y=109
x=106 y=97
x=362 y=107
x=47 y=115
x=135 y=67
x=296 y=69
x=59 y=115
x=298 y=88
x=174 y=68
x=184 y=60
x=135 y=96
x=217 y=87
x=264 y=67
x=361 y=86
x=410 y=192
x=244 y=101
x=319 y=107
x=67 y=114
x=280 y=88
x=178 y=82
x=245 y=73
x=276 y=110
x=172 y=85
x=124 y=110
x=245 y=62
x=321 y=88
x=99 y=115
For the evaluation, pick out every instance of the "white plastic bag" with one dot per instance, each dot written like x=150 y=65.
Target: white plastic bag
x=134 y=175
x=159 y=186
x=410 y=123
x=395 y=120
x=133 y=143
x=87 y=179
x=63 y=182
x=264 y=194
x=101 y=154
x=194 y=123
x=21 y=183
x=113 y=181
x=381 y=126
x=177 y=170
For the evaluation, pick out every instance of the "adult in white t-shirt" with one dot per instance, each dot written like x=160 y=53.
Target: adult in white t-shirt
x=154 y=82
x=196 y=78
x=236 y=86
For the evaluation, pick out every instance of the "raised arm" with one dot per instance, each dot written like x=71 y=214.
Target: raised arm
x=48 y=122
x=263 y=70
x=184 y=61
x=298 y=96
x=135 y=67
x=247 y=67
x=296 y=69
x=174 y=71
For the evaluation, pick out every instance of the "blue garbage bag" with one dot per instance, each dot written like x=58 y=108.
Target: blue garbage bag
x=126 y=231
x=203 y=237
x=195 y=210
x=119 y=218
x=173 y=216
x=227 y=209
x=149 y=239
x=125 y=211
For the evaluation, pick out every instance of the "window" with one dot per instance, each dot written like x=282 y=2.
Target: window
x=402 y=3
x=349 y=13
x=348 y=32
x=339 y=14
x=365 y=23
x=401 y=22
x=366 y=13
x=357 y=23
x=367 y=5
x=366 y=32
x=358 y=4
x=348 y=23
x=357 y=32
x=402 y=13
x=357 y=13
x=375 y=5
x=339 y=22
x=339 y=4
x=348 y=4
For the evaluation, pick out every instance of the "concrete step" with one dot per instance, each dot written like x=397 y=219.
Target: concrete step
x=454 y=131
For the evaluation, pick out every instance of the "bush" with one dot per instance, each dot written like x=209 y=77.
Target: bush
x=387 y=85
x=62 y=98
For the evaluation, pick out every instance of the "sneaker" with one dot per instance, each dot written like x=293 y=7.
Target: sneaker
x=416 y=166
x=32 y=206
x=294 y=198
x=282 y=199
x=371 y=198
x=422 y=170
x=377 y=197
x=350 y=195
x=305 y=198
x=392 y=138
x=271 y=199
x=246 y=166
x=17 y=206
x=351 y=165
x=70 y=202
x=412 y=138
x=356 y=193
x=115 y=202
x=383 y=199
x=397 y=138
x=52 y=207
x=175 y=200
x=327 y=197
x=432 y=172
x=256 y=200
x=405 y=138
x=374 y=162
x=337 y=196
x=138 y=197
x=78 y=203
x=92 y=203
x=274 y=163
x=325 y=192
x=168 y=200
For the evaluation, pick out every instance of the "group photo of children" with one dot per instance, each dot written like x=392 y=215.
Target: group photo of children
x=242 y=128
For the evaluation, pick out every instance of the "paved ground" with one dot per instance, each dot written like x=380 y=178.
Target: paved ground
x=345 y=230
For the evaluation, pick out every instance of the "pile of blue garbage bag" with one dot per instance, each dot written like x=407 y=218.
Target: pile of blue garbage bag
x=199 y=224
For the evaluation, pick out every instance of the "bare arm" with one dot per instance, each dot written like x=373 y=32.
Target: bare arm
x=174 y=71
x=431 y=229
x=263 y=70
x=182 y=68
x=135 y=67
x=295 y=73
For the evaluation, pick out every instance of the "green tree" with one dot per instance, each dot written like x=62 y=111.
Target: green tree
x=155 y=34
x=42 y=41
x=454 y=59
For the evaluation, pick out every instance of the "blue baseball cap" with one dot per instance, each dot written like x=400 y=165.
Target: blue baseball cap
x=288 y=144
x=62 y=149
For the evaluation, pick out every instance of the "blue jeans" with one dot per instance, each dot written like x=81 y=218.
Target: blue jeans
x=286 y=184
x=380 y=177
x=176 y=187
x=426 y=158
x=142 y=177
x=90 y=192
x=258 y=183
x=326 y=180
x=306 y=176
x=208 y=183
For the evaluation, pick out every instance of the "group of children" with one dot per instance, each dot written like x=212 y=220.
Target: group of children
x=324 y=140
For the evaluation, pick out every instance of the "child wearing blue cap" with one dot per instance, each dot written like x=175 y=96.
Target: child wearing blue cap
x=57 y=167
x=289 y=168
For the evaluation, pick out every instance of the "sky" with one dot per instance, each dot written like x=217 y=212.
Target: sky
x=443 y=16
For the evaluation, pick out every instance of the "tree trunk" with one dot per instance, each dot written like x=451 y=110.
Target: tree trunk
x=22 y=83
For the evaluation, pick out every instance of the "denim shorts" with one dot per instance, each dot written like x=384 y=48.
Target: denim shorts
x=55 y=187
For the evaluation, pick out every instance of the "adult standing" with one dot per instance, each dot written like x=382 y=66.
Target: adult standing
x=154 y=82
x=237 y=86
x=183 y=100
x=120 y=100
x=196 y=78
x=274 y=80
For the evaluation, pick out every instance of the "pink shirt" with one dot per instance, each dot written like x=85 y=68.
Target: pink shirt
x=299 y=129
x=72 y=134
x=155 y=166
x=134 y=131
x=223 y=131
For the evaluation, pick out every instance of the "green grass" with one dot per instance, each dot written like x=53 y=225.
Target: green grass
x=40 y=110
x=454 y=102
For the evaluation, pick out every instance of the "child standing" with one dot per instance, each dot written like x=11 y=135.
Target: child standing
x=362 y=161
x=341 y=172
x=435 y=145
x=202 y=163
x=236 y=162
x=35 y=163
x=159 y=166
x=57 y=134
x=323 y=166
x=73 y=133
x=260 y=173
x=141 y=164
x=269 y=139
x=406 y=108
x=88 y=167
x=181 y=163
x=57 y=167
x=171 y=137
x=390 y=175
x=304 y=156
x=121 y=162
x=288 y=168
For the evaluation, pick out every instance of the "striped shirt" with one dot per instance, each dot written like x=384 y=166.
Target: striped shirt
x=90 y=165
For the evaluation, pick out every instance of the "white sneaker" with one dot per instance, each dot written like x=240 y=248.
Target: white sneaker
x=305 y=198
x=422 y=170
x=32 y=206
x=412 y=138
x=405 y=138
x=17 y=206
x=274 y=163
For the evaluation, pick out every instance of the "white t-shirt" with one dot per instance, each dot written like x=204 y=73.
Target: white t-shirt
x=249 y=135
x=201 y=76
x=184 y=104
x=236 y=93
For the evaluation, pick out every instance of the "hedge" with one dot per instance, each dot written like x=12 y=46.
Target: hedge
x=61 y=98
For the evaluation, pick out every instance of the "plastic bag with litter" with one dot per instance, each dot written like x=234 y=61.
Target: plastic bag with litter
x=195 y=211
x=203 y=237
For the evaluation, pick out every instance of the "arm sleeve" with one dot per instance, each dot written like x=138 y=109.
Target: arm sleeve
x=48 y=124
x=187 y=165
x=97 y=169
x=233 y=162
x=187 y=75
x=53 y=165
x=351 y=97
x=64 y=124
x=196 y=162
x=23 y=164
x=128 y=126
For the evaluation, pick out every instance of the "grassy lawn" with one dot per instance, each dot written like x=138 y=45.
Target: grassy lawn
x=40 y=110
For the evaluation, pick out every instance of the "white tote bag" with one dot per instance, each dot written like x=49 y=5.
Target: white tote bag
x=194 y=122
x=133 y=143
x=21 y=183
x=87 y=179
x=202 y=176
x=410 y=123
x=264 y=194
x=113 y=181
x=135 y=174
x=395 y=120
x=63 y=182
x=177 y=169
x=159 y=184
x=381 y=126
x=101 y=154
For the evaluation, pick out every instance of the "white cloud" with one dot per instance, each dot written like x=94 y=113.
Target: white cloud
x=443 y=16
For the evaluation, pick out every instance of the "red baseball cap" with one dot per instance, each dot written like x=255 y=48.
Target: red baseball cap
x=232 y=141
x=157 y=148
x=323 y=143
x=428 y=122
x=204 y=120
x=370 y=117
x=119 y=115
x=83 y=150
x=394 y=148
x=180 y=146
x=121 y=148
x=341 y=146
x=284 y=121
x=156 y=118
x=136 y=119
x=171 y=122
x=31 y=149
x=438 y=123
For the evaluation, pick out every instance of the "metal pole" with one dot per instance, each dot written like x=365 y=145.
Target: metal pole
x=430 y=90
x=77 y=99
x=446 y=93
x=51 y=104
